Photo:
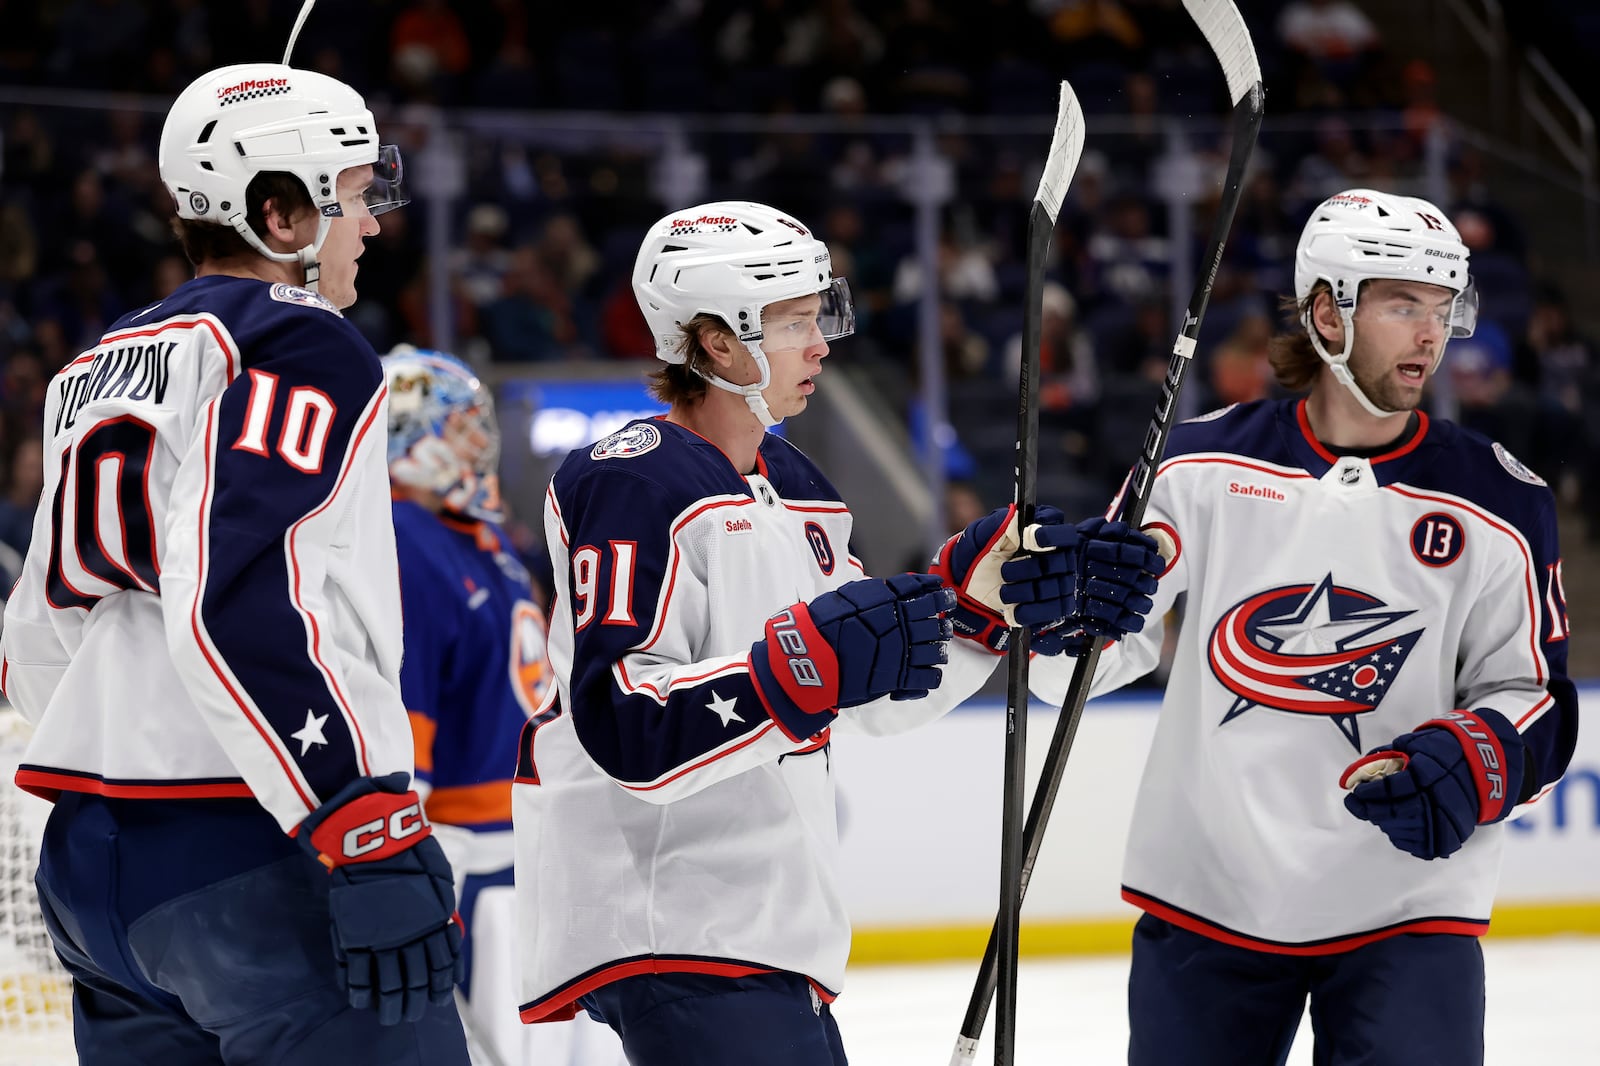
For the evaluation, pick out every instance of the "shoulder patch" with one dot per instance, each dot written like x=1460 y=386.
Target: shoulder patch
x=1211 y=416
x=293 y=294
x=627 y=442
x=1515 y=466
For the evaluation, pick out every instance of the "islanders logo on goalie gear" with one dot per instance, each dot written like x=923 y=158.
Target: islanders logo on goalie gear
x=1318 y=650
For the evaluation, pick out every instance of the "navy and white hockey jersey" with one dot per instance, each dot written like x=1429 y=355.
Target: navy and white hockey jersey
x=474 y=672
x=210 y=605
x=1334 y=602
x=664 y=820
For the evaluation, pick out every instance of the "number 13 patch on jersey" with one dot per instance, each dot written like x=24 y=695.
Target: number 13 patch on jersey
x=1437 y=539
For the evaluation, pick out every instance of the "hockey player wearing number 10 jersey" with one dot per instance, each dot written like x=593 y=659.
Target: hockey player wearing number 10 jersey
x=674 y=811
x=206 y=635
x=1370 y=677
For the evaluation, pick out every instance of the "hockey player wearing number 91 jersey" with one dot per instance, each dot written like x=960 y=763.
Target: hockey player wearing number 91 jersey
x=1370 y=678
x=206 y=635
x=674 y=811
x=474 y=672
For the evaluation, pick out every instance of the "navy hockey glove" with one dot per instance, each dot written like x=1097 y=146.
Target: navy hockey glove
x=1115 y=572
x=396 y=936
x=865 y=639
x=1431 y=788
x=998 y=584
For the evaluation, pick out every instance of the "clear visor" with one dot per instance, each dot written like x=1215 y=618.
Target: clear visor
x=1464 y=311
x=793 y=326
x=385 y=192
x=837 y=318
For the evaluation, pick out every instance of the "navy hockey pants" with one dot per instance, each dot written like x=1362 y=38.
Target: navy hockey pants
x=675 y=1018
x=197 y=934
x=1403 y=1001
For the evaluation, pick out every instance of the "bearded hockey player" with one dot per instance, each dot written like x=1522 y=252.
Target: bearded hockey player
x=1374 y=604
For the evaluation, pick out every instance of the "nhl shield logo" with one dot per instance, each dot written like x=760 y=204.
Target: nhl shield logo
x=1323 y=650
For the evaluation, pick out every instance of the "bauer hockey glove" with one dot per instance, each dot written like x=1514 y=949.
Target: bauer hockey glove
x=1117 y=573
x=1429 y=789
x=396 y=936
x=864 y=640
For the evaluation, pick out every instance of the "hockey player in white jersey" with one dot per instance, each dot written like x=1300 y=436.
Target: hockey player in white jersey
x=1370 y=677
x=674 y=812
x=206 y=635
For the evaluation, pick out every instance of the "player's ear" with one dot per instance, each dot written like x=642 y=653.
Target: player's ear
x=278 y=222
x=719 y=345
x=1326 y=319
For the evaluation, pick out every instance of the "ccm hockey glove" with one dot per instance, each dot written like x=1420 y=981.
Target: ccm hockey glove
x=865 y=639
x=1429 y=789
x=396 y=936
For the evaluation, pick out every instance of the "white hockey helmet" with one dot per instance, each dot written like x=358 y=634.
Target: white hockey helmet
x=1360 y=235
x=235 y=122
x=443 y=437
x=730 y=259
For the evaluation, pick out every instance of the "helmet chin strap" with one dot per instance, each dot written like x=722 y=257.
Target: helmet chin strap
x=306 y=257
x=752 y=392
x=1340 y=364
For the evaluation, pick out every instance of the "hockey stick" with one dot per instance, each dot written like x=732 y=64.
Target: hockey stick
x=1225 y=31
x=1066 y=145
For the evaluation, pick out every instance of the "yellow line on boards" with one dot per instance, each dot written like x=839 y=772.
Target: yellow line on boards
x=935 y=943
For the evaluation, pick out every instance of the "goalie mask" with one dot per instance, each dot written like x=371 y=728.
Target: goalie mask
x=730 y=259
x=236 y=122
x=443 y=437
x=1361 y=235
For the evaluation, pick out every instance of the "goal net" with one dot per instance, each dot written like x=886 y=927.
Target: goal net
x=35 y=992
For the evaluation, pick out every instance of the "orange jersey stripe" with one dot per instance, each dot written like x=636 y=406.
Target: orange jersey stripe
x=471 y=804
x=423 y=729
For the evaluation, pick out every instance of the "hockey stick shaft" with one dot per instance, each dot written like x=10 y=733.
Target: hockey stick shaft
x=1066 y=145
x=1225 y=30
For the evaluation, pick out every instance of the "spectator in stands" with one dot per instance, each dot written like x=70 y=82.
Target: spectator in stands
x=1096 y=31
x=21 y=496
x=1563 y=364
x=1238 y=370
x=479 y=265
x=1333 y=36
x=1068 y=375
x=531 y=321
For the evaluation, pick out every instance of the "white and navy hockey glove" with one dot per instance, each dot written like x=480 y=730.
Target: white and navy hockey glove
x=864 y=640
x=1429 y=789
x=1070 y=585
x=396 y=934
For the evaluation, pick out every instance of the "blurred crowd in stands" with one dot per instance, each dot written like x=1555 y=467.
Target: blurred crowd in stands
x=544 y=236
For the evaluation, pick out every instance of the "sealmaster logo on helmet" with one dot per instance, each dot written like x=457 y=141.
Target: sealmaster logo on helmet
x=260 y=86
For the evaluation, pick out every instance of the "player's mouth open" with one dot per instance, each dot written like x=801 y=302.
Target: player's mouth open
x=1413 y=371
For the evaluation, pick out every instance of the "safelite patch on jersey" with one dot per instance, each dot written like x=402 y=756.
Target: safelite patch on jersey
x=627 y=442
x=294 y=294
x=1514 y=466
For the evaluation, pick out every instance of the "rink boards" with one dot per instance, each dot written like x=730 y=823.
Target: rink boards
x=919 y=827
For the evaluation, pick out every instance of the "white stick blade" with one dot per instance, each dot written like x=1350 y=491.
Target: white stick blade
x=1066 y=145
x=1229 y=37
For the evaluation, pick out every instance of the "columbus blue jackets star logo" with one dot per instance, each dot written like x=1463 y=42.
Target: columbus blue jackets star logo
x=1310 y=649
